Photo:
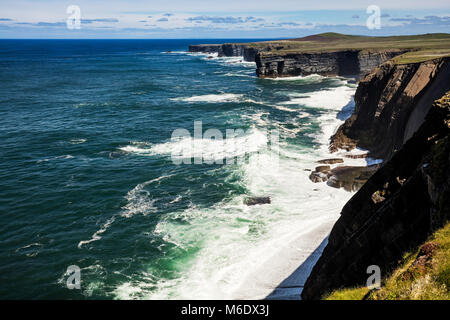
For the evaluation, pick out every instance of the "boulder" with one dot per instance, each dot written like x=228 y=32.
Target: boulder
x=251 y=201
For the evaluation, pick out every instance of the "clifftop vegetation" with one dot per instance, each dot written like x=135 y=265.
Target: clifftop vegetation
x=420 y=47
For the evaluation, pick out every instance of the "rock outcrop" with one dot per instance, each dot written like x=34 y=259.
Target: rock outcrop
x=351 y=178
x=337 y=63
x=390 y=105
x=399 y=206
x=252 y=201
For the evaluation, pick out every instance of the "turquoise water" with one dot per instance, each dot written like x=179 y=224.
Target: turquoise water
x=86 y=176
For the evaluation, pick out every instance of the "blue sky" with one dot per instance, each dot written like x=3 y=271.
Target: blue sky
x=217 y=19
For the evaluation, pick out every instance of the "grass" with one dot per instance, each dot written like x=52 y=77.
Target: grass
x=420 y=47
x=423 y=275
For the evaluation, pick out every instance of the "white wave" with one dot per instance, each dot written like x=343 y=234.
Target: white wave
x=212 y=150
x=245 y=251
x=238 y=60
x=306 y=79
x=177 y=199
x=275 y=106
x=175 y=52
x=77 y=141
x=335 y=98
x=134 y=149
x=303 y=115
x=139 y=202
x=139 y=199
x=97 y=235
x=236 y=74
x=211 y=98
x=29 y=246
x=281 y=108
x=67 y=156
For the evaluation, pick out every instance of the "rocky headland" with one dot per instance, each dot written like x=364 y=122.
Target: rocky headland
x=391 y=104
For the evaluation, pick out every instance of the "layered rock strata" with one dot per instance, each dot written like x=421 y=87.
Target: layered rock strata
x=337 y=63
x=390 y=105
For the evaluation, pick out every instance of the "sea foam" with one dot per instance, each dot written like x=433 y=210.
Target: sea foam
x=245 y=252
x=211 y=98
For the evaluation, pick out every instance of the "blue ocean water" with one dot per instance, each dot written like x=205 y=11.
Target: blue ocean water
x=86 y=176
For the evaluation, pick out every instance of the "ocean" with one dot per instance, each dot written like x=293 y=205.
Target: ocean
x=87 y=176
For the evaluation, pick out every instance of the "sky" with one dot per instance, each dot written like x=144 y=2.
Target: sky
x=232 y=19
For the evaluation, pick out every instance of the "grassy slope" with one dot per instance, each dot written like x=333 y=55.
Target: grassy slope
x=423 y=275
x=421 y=47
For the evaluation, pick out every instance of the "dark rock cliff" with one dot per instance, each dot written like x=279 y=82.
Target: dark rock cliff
x=227 y=50
x=390 y=105
x=399 y=206
x=338 y=63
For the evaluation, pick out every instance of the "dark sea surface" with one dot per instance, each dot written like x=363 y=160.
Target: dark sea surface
x=87 y=179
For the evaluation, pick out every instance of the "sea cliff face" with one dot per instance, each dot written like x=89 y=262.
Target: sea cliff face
x=390 y=105
x=338 y=63
x=399 y=206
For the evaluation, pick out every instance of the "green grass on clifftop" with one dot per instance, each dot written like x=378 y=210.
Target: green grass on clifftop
x=423 y=275
x=420 y=47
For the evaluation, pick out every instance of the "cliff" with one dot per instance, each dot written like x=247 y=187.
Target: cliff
x=395 y=211
x=423 y=274
x=334 y=63
x=390 y=105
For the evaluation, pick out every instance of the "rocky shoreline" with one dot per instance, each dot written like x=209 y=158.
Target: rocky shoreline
x=402 y=116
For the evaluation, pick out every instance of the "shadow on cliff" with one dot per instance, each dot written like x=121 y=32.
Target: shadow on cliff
x=346 y=111
x=291 y=287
